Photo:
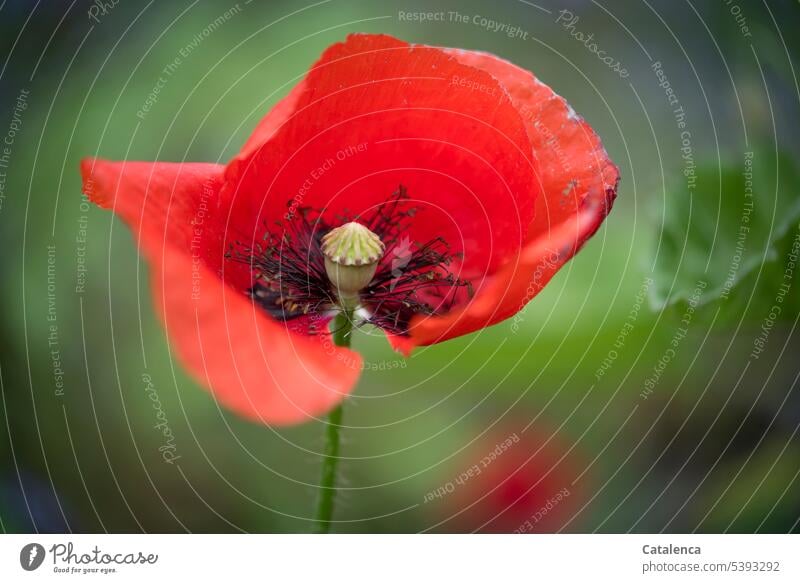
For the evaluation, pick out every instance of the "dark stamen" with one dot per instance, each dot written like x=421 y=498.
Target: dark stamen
x=290 y=280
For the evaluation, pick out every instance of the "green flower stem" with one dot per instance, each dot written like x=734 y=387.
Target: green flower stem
x=342 y=327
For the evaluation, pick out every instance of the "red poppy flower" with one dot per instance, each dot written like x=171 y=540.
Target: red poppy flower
x=477 y=180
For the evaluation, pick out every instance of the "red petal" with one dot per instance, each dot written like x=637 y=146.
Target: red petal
x=273 y=121
x=251 y=363
x=515 y=284
x=158 y=200
x=402 y=344
x=376 y=112
x=579 y=183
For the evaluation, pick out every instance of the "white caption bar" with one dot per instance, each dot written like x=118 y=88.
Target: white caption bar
x=389 y=558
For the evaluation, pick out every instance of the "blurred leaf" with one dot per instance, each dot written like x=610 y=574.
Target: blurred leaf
x=771 y=292
x=735 y=225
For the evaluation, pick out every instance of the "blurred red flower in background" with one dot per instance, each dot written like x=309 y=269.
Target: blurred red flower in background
x=514 y=482
x=478 y=180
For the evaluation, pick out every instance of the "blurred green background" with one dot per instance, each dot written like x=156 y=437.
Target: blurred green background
x=617 y=414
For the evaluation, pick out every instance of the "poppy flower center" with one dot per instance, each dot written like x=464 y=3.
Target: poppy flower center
x=351 y=253
x=309 y=268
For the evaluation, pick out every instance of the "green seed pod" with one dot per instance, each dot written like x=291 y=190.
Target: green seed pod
x=352 y=253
